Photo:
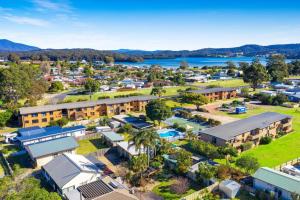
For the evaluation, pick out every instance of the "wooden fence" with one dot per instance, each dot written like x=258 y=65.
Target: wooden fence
x=198 y=194
x=291 y=162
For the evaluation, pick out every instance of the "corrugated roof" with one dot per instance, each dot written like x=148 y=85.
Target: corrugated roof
x=62 y=169
x=52 y=146
x=212 y=90
x=112 y=136
x=83 y=104
x=230 y=130
x=279 y=179
x=37 y=132
x=94 y=189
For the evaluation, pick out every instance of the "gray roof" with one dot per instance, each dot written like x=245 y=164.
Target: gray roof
x=94 y=189
x=62 y=169
x=83 y=104
x=230 y=130
x=279 y=179
x=112 y=136
x=212 y=90
x=51 y=146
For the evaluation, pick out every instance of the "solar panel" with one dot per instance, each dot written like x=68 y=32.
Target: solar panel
x=94 y=189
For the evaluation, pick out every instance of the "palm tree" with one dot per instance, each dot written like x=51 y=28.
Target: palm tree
x=144 y=139
x=190 y=135
x=158 y=91
x=139 y=164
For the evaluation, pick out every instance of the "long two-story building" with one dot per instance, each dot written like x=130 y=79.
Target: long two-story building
x=220 y=93
x=43 y=115
x=250 y=129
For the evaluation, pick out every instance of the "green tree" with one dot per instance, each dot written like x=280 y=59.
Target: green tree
x=56 y=86
x=88 y=71
x=206 y=172
x=184 y=161
x=60 y=122
x=179 y=79
x=255 y=73
x=184 y=65
x=158 y=91
x=91 y=86
x=12 y=57
x=109 y=60
x=193 y=98
x=277 y=67
x=5 y=117
x=294 y=67
x=248 y=163
x=158 y=110
x=138 y=165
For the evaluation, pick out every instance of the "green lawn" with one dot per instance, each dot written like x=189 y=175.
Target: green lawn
x=173 y=104
x=144 y=91
x=163 y=190
x=224 y=83
x=280 y=150
x=90 y=145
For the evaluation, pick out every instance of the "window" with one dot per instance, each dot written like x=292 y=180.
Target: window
x=78 y=109
x=51 y=118
x=35 y=121
x=51 y=113
x=34 y=115
x=26 y=122
x=44 y=120
x=92 y=113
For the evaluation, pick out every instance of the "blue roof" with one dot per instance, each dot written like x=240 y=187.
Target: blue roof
x=52 y=146
x=38 y=132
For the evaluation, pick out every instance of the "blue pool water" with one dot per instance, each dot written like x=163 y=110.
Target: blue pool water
x=169 y=133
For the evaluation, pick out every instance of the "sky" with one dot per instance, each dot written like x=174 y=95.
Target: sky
x=149 y=24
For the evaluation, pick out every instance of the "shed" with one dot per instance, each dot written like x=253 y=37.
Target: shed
x=240 y=109
x=230 y=188
x=112 y=138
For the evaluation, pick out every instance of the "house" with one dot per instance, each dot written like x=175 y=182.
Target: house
x=280 y=184
x=67 y=172
x=214 y=94
x=111 y=137
x=198 y=78
x=43 y=115
x=37 y=134
x=221 y=76
x=128 y=151
x=43 y=152
x=104 y=189
x=251 y=129
x=269 y=93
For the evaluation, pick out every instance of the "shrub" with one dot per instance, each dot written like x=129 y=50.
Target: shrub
x=246 y=146
x=103 y=97
x=265 y=140
x=155 y=164
x=175 y=125
x=180 y=186
x=61 y=122
x=181 y=129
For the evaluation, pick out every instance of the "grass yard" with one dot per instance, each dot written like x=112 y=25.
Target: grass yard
x=163 y=190
x=90 y=145
x=7 y=130
x=174 y=104
x=280 y=150
x=224 y=83
x=144 y=91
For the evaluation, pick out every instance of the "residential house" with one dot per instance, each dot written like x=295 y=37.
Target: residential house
x=43 y=152
x=67 y=172
x=280 y=184
x=112 y=138
x=251 y=129
x=43 y=115
x=128 y=151
x=37 y=134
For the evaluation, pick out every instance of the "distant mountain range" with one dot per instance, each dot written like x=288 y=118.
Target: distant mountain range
x=7 y=45
x=132 y=55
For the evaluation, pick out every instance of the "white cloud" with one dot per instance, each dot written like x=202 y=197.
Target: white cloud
x=48 y=5
x=26 y=20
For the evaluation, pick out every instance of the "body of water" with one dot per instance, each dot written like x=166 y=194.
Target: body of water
x=192 y=61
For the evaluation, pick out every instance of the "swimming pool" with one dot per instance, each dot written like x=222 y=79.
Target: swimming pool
x=170 y=134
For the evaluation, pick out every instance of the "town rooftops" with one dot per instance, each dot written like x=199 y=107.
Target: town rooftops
x=230 y=130
x=212 y=90
x=51 y=146
x=131 y=149
x=63 y=168
x=38 y=132
x=83 y=104
x=279 y=179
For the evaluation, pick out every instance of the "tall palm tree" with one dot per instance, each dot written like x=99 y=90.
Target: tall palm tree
x=144 y=139
x=158 y=91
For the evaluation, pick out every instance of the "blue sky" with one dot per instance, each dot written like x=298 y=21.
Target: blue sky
x=149 y=24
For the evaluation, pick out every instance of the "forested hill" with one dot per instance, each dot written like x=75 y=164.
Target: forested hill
x=9 y=46
x=289 y=50
x=128 y=55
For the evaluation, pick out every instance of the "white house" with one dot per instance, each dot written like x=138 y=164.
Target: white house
x=69 y=171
